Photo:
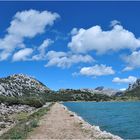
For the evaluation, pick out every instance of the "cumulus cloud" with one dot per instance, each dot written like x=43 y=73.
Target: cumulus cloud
x=97 y=70
x=23 y=54
x=95 y=39
x=133 y=60
x=31 y=22
x=42 y=50
x=130 y=79
x=25 y=24
x=65 y=60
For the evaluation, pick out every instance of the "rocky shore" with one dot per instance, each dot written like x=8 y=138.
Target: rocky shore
x=7 y=118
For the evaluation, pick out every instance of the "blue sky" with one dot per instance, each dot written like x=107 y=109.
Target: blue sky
x=71 y=44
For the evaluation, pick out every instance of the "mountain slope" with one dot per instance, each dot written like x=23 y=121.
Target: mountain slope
x=134 y=89
x=20 y=84
x=103 y=90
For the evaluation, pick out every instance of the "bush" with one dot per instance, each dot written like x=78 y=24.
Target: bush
x=31 y=101
x=34 y=123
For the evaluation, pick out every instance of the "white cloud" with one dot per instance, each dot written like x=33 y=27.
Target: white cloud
x=75 y=74
x=42 y=50
x=74 y=31
x=65 y=60
x=132 y=60
x=128 y=68
x=114 y=22
x=30 y=23
x=97 y=70
x=23 y=54
x=25 y=24
x=95 y=39
x=122 y=89
x=130 y=79
x=8 y=45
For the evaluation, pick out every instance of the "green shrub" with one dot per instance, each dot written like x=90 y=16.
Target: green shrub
x=34 y=123
x=33 y=101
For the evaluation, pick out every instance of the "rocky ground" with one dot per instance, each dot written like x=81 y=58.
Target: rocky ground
x=7 y=113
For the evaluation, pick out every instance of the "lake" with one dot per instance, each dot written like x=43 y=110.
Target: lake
x=119 y=118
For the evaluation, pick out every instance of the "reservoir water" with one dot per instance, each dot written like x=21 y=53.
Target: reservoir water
x=119 y=118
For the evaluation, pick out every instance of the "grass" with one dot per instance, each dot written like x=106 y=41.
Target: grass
x=21 y=116
x=25 y=125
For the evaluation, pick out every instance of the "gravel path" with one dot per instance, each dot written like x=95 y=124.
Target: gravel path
x=59 y=123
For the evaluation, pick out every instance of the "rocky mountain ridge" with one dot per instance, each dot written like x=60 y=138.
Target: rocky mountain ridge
x=133 y=90
x=20 y=84
x=134 y=85
x=102 y=90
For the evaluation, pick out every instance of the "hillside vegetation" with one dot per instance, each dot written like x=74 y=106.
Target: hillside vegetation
x=25 y=90
x=131 y=94
x=33 y=101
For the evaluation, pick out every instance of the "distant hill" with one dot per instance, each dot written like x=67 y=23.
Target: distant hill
x=133 y=89
x=23 y=89
x=80 y=95
x=103 y=90
x=20 y=84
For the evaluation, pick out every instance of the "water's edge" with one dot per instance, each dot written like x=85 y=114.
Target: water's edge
x=93 y=128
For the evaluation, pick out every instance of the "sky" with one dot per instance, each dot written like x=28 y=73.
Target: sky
x=71 y=44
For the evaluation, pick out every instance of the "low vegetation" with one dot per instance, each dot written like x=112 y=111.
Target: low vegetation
x=66 y=95
x=75 y=95
x=134 y=92
x=37 y=101
x=25 y=90
x=126 y=98
x=26 y=124
x=33 y=101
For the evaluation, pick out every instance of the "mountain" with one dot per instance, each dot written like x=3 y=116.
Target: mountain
x=133 y=89
x=103 y=90
x=20 y=84
x=80 y=95
x=134 y=85
x=33 y=92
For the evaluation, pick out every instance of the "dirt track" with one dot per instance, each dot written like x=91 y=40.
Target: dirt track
x=59 y=123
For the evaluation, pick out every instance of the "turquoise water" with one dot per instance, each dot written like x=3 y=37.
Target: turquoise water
x=119 y=118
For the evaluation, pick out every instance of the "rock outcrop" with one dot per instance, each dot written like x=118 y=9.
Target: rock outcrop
x=20 y=84
x=134 y=85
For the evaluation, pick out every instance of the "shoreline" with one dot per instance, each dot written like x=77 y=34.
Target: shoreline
x=88 y=127
x=112 y=101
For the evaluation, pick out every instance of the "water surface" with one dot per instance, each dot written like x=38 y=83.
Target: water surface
x=119 y=118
